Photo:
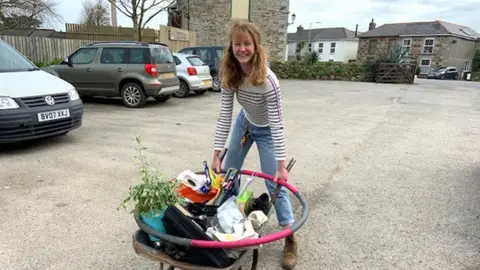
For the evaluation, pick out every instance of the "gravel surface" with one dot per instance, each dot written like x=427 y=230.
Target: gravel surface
x=391 y=174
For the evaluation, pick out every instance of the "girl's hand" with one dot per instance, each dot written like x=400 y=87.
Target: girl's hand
x=281 y=173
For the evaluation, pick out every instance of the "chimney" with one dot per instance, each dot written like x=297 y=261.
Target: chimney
x=372 y=25
x=113 y=13
x=356 y=30
x=299 y=28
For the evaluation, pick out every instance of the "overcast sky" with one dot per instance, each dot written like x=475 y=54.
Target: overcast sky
x=346 y=13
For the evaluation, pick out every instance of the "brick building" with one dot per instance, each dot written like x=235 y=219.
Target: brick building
x=210 y=19
x=431 y=44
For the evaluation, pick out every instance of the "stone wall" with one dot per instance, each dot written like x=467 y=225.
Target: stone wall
x=272 y=16
x=211 y=20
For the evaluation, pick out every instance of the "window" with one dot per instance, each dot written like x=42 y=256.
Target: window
x=177 y=61
x=11 y=60
x=425 y=62
x=406 y=45
x=309 y=47
x=112 y=56
x=372 y=46
x=220 y=53
x=138 y=56
x=320 y=47
x=84 y=56
x=187 y=51
x=205 y=55
x=161 y=54
x=428 y=45
x=468 y=66
x=195 y=61
x=332 y=47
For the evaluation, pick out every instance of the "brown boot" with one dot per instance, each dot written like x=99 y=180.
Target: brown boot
x=290 y=253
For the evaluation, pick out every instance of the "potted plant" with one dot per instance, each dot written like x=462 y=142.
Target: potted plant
x=152 y=195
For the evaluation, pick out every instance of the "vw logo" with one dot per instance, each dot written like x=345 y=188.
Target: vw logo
x=49 y=100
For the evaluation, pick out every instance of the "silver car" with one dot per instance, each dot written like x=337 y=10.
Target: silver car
x=193 y=74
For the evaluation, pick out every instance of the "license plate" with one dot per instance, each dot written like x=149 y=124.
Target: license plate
x=206 y=82
x=168 y=75
x=53 y=115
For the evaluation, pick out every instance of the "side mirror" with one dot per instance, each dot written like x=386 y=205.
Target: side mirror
x=69 y=61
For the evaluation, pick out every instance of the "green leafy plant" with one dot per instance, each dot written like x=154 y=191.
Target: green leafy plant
x=154 y=193
x=41 y=64
x=476 y=62
x=311 y=57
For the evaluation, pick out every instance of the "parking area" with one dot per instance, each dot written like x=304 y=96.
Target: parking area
x=391 y=174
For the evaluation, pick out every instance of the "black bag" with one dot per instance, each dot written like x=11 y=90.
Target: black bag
x=178 y=224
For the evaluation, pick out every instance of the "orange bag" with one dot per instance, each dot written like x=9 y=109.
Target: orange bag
x=193 y=196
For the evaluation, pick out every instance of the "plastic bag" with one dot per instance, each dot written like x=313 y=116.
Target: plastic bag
x=228 y=217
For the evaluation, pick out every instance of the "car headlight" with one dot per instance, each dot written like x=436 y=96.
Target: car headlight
x=8 y=103
x=73 y=94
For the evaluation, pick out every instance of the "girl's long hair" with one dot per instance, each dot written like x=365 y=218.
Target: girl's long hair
x=231 y=74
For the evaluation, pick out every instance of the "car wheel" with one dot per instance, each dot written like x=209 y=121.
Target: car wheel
x=133 y=95
x=456 y=77
x=216 y=83
x=200 y=92
x=183 y=91
x=163 y=98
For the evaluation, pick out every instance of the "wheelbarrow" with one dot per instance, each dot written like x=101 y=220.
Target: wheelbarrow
x=144 y=247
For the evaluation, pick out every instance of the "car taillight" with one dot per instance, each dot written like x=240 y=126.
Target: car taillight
x=150 y=69
x=192 y=71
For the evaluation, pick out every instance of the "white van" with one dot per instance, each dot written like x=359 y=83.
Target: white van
x=34 y=103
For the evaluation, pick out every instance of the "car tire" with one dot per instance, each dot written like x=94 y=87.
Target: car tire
x=163 y=98
x=456 y=77
x=200 y=92
x=216 y=83
x=183 y=91
x=133 y=95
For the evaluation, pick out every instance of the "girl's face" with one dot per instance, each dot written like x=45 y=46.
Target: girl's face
x=243 y=48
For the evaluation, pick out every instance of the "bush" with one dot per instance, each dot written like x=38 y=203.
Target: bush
x=48 y=63
x=317 y=70
x=476 y=76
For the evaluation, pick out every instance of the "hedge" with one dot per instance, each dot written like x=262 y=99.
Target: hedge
x=318 y=70
x=476 y=76
x=48 y=63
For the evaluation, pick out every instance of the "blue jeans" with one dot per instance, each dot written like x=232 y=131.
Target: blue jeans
x=237 y=152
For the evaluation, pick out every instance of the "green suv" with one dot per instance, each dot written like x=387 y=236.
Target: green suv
x=133 y=71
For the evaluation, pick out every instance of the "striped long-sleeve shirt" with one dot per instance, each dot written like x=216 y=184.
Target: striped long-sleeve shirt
x=262 y=106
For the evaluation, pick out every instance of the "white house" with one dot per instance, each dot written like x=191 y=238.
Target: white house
x=333 y=44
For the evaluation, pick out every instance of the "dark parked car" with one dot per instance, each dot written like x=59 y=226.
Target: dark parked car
x=209 y=55
x=443 y=73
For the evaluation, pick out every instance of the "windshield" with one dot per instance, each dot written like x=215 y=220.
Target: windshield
x=12 y=61
x=195 y=61
x=162 y=54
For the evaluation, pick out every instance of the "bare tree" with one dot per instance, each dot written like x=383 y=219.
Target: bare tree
x=95 y=13
x=27 y=13
x=141 y=12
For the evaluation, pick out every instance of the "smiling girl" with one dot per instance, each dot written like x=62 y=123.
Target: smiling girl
x=244 y=73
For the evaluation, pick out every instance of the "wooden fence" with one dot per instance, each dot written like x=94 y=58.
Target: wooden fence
x=175 y=38
x=396 y=73
x=39 y=49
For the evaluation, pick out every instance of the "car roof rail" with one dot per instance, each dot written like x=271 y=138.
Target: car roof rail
x=118 y=42
x=158 y=43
